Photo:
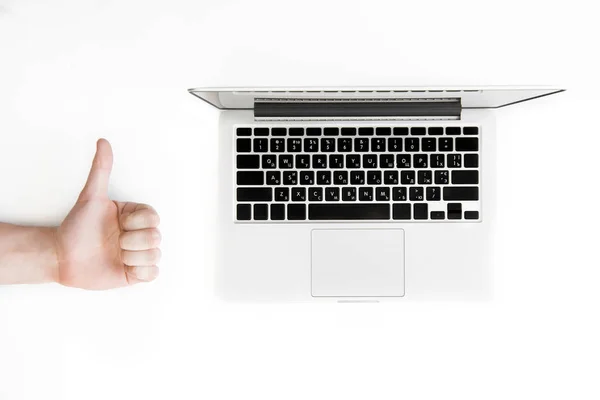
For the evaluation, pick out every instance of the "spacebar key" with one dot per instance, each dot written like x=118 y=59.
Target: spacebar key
x=348 y=211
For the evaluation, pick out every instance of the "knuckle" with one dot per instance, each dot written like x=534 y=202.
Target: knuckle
x=153 y=219
x=156 y=256
x=154 y=238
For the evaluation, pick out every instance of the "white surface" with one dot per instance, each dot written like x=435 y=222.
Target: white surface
x=73 y=70
x=357 y=262
x=471 y=96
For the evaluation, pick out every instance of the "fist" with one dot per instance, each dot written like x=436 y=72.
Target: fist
x=105 y=244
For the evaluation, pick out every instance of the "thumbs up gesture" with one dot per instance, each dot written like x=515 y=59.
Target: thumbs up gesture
x=104 y=244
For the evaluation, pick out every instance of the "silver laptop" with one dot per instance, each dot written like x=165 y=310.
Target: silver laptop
x=357 y=194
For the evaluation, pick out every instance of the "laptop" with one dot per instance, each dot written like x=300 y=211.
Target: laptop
x=357 y=194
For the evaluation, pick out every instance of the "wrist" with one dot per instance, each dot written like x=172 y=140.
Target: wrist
x=28 y=254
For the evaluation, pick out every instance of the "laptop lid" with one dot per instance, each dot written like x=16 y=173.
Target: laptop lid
x=465 y=97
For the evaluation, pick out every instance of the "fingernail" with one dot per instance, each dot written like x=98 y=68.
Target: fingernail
x=146 y=273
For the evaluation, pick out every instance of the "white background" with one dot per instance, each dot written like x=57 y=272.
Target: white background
x=71 y=71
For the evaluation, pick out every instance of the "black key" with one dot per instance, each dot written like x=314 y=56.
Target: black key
x=331 y=131
x=324 y=178
x=296 y=212
x=421 y=210
x=244 y=145
x=250 y=178
x=428 y=144
x=269 y=161
x=313 y=131
x=390 y=177
x=357 y=177
x=369 y=161
x=401 y=211
x=296 y=131
x=424 y=177
x=294 y=145
x=382 y=193
x=340 y=177
x=254 y=194
x=417 y=131
x=277 y=145
x=471 y=214
x=403 y=161
x=332 y=194
x=415 y=193
x=290 y=178
x=361 y=144
x=243 y=212
x=453 y=130
x=336 y=161
x=433 y=193
x=344 y=144
x=454 y=161
x=407 y=177
x=311 y=145
x=467 y=144
x=400 y=131
x=278 y=131
x=395 y=144
x=302 y=161
x=244 y=131
x=378 y=144
x=454 y=211
x=307 y=177
x=437 y=161
x=273 y=177
x=328 y=145
x=365 y=131
x=386 y=161
x=438 y=215
x=441 y=178
x=458 y=193
x=349 y=194
x=471 y=160
x=365 y=193
x=315 y=194
x=261 y=212
x=411 y=144
x=445 y=144
x=285 y=161
x=399 y=194
x=277 y=212
x=420 y=160
x=319 y=161
x=374 y=177
x=248 y=161
x=299 y=194
x=348 y=131
x=383 y=131
x=261 y=145
x=471 y=130
x=463 y=177
x=282 y=194
x=352 y=161
x=438 y=130
x=348 y=211
x=261 y=131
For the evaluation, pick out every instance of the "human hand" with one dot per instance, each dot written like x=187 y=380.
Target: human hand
x=104 y=244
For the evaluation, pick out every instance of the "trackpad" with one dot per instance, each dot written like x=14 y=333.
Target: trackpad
x=357 y=262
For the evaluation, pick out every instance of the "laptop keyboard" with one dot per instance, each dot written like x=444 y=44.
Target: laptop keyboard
x=347 y=173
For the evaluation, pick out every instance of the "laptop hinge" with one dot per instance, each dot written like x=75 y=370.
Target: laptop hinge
x=289 y=109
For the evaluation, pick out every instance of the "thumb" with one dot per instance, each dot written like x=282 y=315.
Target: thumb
x=97 y=182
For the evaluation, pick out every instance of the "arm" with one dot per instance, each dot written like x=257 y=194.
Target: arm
x=27 y=254
x=101 y=244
